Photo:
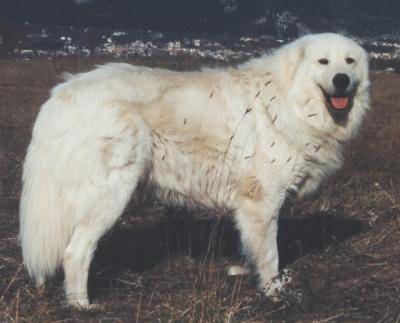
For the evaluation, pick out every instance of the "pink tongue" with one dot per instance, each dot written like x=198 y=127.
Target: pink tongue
x=339 y=103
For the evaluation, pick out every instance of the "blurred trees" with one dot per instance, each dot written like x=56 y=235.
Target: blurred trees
x=201 y=15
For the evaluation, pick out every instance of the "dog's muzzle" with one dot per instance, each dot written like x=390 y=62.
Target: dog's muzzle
x=340 y=102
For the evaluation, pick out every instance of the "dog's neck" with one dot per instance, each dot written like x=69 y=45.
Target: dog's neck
x=313 y=146
x=302 y=132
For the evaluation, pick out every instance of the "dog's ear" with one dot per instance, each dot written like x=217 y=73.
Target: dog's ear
x=290 y=57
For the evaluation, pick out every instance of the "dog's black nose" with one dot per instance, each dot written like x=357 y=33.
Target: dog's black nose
x=341 y=81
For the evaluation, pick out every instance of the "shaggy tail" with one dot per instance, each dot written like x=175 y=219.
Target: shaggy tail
x=45 y=229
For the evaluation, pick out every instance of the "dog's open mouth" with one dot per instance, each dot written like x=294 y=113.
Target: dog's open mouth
x=338 y=105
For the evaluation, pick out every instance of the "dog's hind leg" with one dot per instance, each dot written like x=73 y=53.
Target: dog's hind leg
x=77 y=258
x=80 y=250
x=119 y=162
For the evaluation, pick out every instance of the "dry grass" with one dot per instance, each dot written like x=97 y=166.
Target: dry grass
x=162 y=269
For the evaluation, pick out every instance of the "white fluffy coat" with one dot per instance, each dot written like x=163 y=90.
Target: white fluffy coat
x=238 y=138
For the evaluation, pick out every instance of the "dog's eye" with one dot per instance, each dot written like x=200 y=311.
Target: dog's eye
x=349 y=60
x=323 y=61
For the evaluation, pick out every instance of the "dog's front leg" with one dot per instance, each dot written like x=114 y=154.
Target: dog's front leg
x=258 y=226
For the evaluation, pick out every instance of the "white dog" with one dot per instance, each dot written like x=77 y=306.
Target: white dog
x=236 y=138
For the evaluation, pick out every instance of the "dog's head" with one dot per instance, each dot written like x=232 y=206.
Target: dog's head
x=328 y=77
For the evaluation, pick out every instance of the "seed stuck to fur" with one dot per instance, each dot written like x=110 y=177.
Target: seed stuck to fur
x=258 y=93
x=211 y=95
x=248 y=110
x=272 y=99
x=317 y=148
x=340 y=142
x=272 y=145
x=184 y=121
x=289 y=159
x=276 y=117
x=273 y=161
x=268 y=83
x=312 y=115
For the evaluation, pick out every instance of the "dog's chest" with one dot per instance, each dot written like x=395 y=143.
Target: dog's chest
x=215 y=174
x=198 y=170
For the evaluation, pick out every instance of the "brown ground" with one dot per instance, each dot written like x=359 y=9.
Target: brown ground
x=342 y=247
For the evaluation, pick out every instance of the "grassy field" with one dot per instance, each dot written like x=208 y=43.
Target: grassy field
x=343 y=246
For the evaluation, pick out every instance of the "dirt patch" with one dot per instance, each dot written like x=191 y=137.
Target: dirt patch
x=343 y=248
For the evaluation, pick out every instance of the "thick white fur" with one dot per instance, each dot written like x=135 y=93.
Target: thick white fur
x=237 y=138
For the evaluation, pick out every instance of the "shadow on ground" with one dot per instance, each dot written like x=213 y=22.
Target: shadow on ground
x=140 y=250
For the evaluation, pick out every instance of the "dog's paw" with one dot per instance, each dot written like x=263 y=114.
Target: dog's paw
x=238 y=271
x=77 y=303
x=276 y=286
x=94 y=308
x=286 y=276
x=82 y=304
x=41 y=289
